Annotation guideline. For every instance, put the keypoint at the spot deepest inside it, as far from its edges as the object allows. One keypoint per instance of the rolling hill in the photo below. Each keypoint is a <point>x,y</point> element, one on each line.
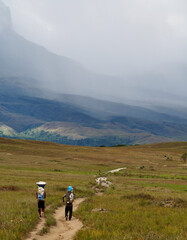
<point>78,120</point>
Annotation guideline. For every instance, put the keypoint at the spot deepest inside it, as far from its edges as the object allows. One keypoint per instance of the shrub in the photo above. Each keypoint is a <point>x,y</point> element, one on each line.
<point>184,157</point>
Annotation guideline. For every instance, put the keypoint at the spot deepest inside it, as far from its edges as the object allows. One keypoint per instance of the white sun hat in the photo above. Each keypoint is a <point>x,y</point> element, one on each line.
<point>41,184</point>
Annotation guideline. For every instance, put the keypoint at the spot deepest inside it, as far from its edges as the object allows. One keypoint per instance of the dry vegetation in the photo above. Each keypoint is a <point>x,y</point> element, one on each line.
<point>146,201</point>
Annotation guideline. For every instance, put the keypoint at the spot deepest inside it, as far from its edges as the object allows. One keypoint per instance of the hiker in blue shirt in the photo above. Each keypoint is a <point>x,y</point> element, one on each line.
<point>69,202</point>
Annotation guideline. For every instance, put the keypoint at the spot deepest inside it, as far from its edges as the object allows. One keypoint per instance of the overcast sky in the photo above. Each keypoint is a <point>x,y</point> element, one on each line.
<point>144,41</point>
<point>108,36</point>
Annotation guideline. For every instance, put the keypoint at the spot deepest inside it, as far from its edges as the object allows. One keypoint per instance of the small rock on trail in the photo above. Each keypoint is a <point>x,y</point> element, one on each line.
<point>103,181</point>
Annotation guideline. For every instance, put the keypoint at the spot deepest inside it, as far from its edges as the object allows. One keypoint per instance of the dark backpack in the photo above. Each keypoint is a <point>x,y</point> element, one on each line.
<point>69,198</point>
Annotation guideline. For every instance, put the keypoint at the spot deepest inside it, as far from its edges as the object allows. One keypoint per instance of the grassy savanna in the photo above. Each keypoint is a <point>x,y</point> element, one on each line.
<point>146,201</point>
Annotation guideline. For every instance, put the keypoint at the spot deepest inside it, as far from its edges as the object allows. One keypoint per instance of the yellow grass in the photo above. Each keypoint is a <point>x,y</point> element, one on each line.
<point>155,170</point>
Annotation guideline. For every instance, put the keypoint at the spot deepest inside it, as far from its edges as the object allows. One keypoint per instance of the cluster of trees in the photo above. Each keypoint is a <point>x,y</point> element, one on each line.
<point>53,137</point>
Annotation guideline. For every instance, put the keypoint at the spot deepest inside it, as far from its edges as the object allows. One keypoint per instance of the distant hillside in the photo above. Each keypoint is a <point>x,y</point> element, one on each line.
<point>32,105</point>
<point>77,120</point>
<point>105,109</point>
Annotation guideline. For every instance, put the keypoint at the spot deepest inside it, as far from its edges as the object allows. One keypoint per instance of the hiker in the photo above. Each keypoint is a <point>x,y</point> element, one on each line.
<point>69,202</point>
<point>41,195</point>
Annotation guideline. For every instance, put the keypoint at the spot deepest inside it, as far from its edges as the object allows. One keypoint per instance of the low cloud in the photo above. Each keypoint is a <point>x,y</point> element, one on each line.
<point>143,42</point>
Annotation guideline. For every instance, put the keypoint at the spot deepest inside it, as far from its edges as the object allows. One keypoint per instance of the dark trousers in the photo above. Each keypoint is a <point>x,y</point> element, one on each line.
<point>69,208</point>
<point>41,205</point>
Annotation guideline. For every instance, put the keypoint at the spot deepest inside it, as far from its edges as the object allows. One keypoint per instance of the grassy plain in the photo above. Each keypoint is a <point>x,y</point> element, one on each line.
<point>148,200</point>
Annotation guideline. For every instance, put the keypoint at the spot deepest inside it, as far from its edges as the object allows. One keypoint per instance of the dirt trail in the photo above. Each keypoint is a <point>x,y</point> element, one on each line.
<point>64,230</point>
<point>116,170</point>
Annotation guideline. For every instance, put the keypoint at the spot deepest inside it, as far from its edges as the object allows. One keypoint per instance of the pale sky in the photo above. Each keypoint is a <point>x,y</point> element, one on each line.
<point>105,35</point>
<point>136,39</point>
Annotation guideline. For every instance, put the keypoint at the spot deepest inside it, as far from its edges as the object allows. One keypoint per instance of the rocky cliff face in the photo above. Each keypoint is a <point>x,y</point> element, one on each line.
<point>20,58</point>
<point>5,18</point>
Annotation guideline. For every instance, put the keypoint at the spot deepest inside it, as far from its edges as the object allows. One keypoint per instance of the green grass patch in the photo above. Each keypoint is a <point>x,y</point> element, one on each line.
<point>130,218</point>
<point>140,204</point>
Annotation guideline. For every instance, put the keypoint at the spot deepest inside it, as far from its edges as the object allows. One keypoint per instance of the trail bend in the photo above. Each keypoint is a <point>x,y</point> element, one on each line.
<point>64,230</point>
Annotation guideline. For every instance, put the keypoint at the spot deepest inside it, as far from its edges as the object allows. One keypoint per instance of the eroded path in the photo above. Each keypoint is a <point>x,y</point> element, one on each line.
<point>64,230</point>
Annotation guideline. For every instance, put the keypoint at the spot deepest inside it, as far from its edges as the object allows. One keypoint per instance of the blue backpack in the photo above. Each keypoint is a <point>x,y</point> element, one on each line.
<point>40,196</point>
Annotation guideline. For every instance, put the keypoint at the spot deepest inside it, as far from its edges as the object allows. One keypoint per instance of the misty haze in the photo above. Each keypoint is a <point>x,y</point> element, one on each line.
<point>93,73</point>
<point>141,45</point>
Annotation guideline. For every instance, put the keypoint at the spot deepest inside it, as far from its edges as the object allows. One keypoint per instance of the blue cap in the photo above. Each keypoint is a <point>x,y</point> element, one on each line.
<point>69,188</point>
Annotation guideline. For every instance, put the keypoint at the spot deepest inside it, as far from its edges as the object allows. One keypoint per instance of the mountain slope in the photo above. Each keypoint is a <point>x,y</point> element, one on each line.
<point>20,58</point>
<point>106,109</point>
<point>28,109</point>
<point>44,119</point>
<point>76,120</point>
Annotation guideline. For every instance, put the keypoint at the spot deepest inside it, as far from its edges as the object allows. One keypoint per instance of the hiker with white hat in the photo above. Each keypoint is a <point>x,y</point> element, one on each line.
<point>41,195</point>
<point>69,202</point>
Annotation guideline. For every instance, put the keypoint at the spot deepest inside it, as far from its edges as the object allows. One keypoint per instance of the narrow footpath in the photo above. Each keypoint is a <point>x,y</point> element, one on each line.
<point>63,230</point>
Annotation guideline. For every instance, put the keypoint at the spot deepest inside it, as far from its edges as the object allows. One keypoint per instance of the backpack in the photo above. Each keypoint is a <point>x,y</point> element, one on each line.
<point>69,198</point>
<point>40,194</point>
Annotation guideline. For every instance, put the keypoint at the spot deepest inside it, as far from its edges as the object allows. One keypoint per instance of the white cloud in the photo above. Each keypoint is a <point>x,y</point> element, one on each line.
<point>178,23</point>
<point>123,37</point>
